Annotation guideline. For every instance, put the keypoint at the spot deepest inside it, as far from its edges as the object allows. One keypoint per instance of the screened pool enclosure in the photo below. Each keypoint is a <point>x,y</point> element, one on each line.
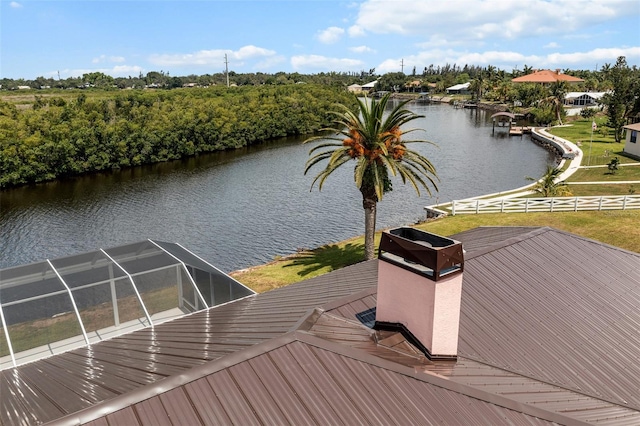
<point>57,305</point>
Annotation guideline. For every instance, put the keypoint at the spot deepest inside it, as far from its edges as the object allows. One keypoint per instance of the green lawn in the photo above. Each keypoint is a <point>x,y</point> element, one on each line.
<point>619,228</point>
<point>613,189</point>
<point>597,150</point>
<point>602,174</point>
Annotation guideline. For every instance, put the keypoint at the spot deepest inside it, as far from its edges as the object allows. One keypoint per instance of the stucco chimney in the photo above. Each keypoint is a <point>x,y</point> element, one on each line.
<point>420,289</point>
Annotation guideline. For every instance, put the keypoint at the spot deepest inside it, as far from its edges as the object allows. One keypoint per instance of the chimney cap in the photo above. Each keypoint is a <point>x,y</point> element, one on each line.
<point>422,252</point>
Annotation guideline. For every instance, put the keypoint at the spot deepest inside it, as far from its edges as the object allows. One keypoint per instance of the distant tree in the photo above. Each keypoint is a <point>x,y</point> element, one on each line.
<point>623,100</point>
<point>392,82</point>
<point>374,142</point>
<point>587,113</point>
<point>477,86</point>
<point>529,93</point>
<point>549,185</point>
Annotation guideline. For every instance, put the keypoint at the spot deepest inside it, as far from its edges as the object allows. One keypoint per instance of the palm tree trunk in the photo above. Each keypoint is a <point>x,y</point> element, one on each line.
<point>369,228</point>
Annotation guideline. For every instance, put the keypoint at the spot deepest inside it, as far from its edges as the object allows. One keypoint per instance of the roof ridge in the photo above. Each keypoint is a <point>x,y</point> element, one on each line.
<point>436,380</point>
<point>518,373</point>
<point>508,242</point>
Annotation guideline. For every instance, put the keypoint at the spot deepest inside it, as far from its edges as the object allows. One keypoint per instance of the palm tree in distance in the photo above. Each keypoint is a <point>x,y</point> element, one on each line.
<point>557,92</point>
<point>549,185</point>
<point>374,142</point>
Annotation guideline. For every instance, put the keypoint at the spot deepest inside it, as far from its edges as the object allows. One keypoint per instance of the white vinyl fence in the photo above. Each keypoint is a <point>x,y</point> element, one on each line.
<point>554,204</point>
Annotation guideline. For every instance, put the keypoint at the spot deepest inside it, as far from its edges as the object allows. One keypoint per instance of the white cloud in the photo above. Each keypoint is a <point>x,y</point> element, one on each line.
<point>115,71</point>
<point>269,63</point>
<point>551,45</point>
<point>486,19</point>
<point>330,35</point>
<point>210,57</point>
<point>15,5</point>
<point>105,58</point>
<point>563,60</point>
<point>507,60</point>
<point>315,62</point>
<point>362,49</point>
<point>124,70</point>
<point>356,31</point>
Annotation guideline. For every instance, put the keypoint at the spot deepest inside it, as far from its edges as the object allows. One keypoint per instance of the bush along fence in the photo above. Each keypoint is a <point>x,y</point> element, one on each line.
<point>552,204</point>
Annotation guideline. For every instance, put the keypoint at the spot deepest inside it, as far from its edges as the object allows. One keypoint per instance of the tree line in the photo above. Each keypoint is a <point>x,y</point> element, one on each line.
<point>62,136</point>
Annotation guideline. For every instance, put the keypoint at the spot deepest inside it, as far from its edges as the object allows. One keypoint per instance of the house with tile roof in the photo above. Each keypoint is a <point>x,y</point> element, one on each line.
<point>547,77</point>
<point>547,333</point>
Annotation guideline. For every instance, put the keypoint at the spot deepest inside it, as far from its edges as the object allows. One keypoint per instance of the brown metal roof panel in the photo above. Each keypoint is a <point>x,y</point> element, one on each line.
<point>275,383</point>
<point>257,395</point>
<point>86,389</point>
<point>97,375</point>
<point>60,394</point>
<point>344,378</point>
<point>335,396</point>
<point>512,293</point>
<point>179,407</point>
<point>205,402</point>
<point>126,417</point>
<point>22,403</point>
<point>99,422</point>
<point>612,415</point>
<point>384,393</point>
<point>234,401</point>
<point>303,387</point>
<point>151,412</point>
<point>447,407</point>
<point>151,361</point>
<point>121,372</point>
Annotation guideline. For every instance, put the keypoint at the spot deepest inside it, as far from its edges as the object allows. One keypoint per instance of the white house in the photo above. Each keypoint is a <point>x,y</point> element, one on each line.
<point>459,88</point>
<point>369,86</point>
<point>583,98</point>
<point>632,145</point>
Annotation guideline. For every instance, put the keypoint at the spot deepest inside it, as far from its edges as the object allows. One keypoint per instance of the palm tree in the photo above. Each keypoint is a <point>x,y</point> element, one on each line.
<point>477,86</point>
<point>374,142</point>
<point>549,186</point>
<point>557,92</point>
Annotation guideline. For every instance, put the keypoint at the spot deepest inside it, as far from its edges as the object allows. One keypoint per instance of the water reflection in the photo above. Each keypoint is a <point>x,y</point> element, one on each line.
<point>244,207</point>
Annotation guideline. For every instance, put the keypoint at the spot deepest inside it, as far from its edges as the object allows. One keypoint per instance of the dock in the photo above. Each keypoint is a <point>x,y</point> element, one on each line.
<point>519,130</point>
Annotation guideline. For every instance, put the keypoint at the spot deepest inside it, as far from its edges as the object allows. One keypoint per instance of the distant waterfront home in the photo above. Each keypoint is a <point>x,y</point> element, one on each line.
<point>583,98</point>
<point>632,145</point>
<point>413,86</point>
<point>547,77</point>
<point>460,89</point>
<point>369,86</point>
<point>354,88</point>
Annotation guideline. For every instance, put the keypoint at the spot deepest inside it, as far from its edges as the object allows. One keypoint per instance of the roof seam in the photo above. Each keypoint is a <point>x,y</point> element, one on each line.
<point>437,380</point>
<point>522,374</point>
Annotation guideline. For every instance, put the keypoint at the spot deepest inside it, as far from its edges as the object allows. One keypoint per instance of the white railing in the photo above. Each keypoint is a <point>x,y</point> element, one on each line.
<point>553,204</point>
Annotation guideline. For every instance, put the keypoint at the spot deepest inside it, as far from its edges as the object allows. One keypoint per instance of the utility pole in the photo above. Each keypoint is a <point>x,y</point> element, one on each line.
<point>226,68</point>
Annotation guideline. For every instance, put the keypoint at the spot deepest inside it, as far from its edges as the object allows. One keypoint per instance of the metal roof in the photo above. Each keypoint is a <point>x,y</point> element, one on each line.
<point>548,333</point>
<point>48,389</point>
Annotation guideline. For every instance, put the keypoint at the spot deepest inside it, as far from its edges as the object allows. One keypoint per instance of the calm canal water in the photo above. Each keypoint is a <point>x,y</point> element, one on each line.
<point>243,208</point>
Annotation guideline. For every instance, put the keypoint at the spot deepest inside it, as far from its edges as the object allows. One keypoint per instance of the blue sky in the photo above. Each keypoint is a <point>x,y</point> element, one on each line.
<point>125,38</point>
